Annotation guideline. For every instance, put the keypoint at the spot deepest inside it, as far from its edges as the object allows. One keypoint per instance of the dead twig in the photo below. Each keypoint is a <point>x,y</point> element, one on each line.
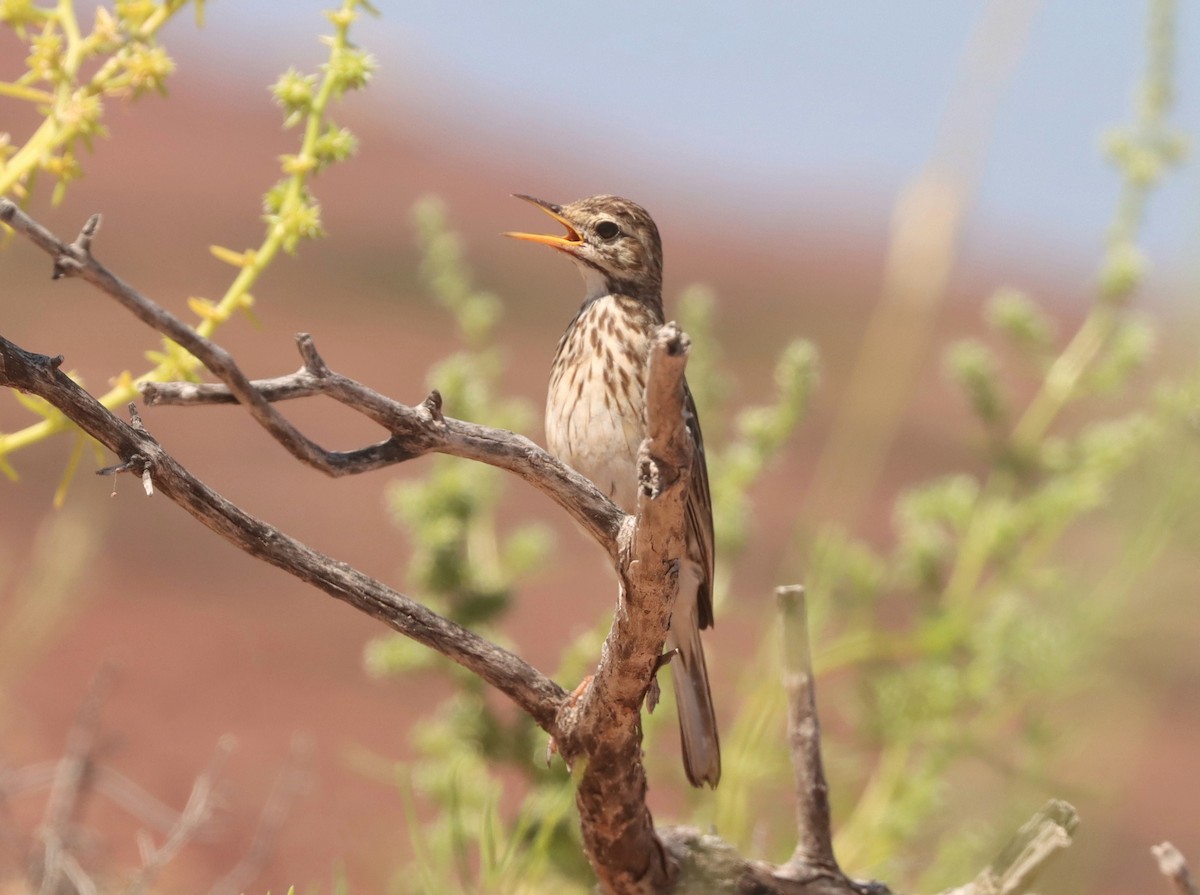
<point>415,431</point>
<point>530,689</point>
<point>814,841</point>
<point>72,779</point>
<point>1016,867</point>
<point>1174,867</point>
<point>191,820</point>
<point>291,783</point>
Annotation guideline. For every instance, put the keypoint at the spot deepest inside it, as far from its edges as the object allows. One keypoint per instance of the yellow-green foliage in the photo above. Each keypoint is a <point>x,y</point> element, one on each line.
<point>463,566</point>
<point>120,50</point>
<point>459,562</point>
<point>950,642</point>
<point>965,629</point>
<point>124,38</point>
<point>959,635</point>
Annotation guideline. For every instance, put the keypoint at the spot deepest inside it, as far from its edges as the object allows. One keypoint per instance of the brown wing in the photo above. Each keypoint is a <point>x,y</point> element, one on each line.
<point>699,513</point>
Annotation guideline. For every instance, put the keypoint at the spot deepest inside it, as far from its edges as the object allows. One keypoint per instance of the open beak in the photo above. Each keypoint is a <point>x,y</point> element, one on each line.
<point>568,243</point>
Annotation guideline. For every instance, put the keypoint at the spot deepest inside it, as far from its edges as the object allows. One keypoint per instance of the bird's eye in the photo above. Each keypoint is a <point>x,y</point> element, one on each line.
<point>607,230</point>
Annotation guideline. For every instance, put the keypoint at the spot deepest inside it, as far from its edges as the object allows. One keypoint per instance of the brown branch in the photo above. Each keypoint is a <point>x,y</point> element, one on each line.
<point>292,782</point>
<point>72,780</point>
<point>814,841</point>
<point>1016,867</point>
<point>711,866</point>
<point>1173,865</point>
<point>76,260</point>
<point>301,384</point>
<point>618,831</point>
<point>536,694</point>
<point>602,730</point>
<point>192,819</point>
<point>605,730</point>
<point>415,431</point>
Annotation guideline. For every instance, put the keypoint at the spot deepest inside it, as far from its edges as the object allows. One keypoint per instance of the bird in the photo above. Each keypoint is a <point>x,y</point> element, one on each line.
<point>595,423</point>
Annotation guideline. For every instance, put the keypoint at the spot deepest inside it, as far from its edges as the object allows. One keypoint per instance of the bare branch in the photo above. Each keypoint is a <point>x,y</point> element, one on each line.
<point>618,830</point>
<point>710,866</point>
<point>814,841</point>
<point>602,729</point>
<point>130,795</point>
<point>195,815</point>
<point>415,431</point>
<point>606,727</point>
<point>290,784</point>
<point>536,694</point>
<point>71,781</point>
<point>300,384</point>
<point>421,430</point>
<point>76,260</point>
<point>1017,866</point>
<point>1173,865</point>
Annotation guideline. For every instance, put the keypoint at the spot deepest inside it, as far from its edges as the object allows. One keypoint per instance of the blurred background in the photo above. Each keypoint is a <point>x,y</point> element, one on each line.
<point>864,178</point>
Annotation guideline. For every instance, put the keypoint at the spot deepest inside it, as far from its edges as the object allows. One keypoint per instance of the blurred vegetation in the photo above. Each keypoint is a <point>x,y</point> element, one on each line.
<point>949,649</point>
<point>38,590</point>
<point>123,44</point>
<point>956,643</point>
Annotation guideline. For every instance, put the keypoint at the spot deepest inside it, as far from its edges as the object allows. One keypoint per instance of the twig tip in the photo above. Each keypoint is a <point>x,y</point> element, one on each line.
<point>788,595</point>
<point>1173,865</point>
<point>673,339</point>
<point>313,362</point>
<point>433,404</point>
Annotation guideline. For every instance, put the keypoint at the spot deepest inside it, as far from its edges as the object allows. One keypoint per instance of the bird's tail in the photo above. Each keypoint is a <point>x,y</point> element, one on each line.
<point>697,721</point>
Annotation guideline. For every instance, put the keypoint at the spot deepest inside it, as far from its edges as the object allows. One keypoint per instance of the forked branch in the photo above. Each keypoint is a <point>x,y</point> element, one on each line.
<point>140,453</point>
<point>602,729</point>
<point>415,431</point>
<point>814,840</point>
<point>1174,867</point>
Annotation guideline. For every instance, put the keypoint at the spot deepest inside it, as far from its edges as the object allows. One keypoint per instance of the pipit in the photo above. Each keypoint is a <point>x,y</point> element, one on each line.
<point>595,422</point>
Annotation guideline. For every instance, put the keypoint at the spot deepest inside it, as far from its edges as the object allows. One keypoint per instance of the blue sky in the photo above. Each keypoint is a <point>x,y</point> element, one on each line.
<point>766,102</point>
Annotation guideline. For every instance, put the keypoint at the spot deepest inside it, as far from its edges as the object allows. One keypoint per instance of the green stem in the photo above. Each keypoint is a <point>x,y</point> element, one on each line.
<point>51,134</point>
<point>1062,379</point>
<point>70,27</point>
<point>20,91</point>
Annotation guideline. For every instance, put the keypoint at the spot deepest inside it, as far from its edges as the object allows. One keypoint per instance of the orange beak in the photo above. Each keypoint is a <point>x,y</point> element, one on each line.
<point>571,241</point>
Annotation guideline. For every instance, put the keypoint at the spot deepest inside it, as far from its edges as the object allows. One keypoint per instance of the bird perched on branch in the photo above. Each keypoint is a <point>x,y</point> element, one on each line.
<point>595,422</point>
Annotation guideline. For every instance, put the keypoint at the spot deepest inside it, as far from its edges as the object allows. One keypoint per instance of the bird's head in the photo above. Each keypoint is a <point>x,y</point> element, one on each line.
<point>613,241</point>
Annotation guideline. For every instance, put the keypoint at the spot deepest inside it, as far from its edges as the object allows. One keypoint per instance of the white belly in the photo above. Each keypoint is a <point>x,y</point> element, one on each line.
<point>594,427</point>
